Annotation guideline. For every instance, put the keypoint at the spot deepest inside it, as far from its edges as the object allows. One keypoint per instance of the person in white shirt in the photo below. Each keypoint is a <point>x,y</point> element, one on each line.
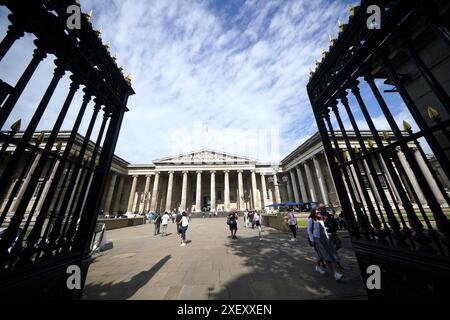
<point>184,226</point>
<point>164,221</point>
<point>258,219</point>
<point>319,238</point>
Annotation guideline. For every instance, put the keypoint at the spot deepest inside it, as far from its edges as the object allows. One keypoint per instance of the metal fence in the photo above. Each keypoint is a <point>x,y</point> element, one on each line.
<point>408,238</point>
<point>39,243</point>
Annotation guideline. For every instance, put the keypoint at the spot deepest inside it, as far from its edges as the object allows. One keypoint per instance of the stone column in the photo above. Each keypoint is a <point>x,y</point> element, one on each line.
<point>47,186</point>
<point>116,206</point>
<point>108,201</point>
<point>301,182</point>
<point>226,178</point>
<point>184,191</point>
<point>241,190</point>
<point>277,189</point>
<point>198,193</point>
<point>169,192</point>
<point>25,182</point>
<point>132,194</point>
<point>147,192</point>
<point>431,181</point>
<point>264,191</point>
<point>289,189</point>
<point>312,191</point>
<point>213,190</point>
<point>412,178</point>
<point>294,186</point>
<point>254,190</point>
<point>154,201</point>
<point>322,183</point>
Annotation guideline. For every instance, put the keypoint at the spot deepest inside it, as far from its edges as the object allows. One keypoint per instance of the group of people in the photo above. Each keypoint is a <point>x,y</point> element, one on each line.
<point>161,223</point>
<point>251,219</point>
<point>322,230</point>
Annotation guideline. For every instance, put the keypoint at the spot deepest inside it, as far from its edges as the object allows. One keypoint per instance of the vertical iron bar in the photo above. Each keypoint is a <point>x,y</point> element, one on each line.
<point>7,239</point>
<point>349,217</point>
<point>374,217</point>
<point>7,176</point>
<point>38,55</point>
<point>15,32</point>
<point>397,132</point>
<point>55,233</point>
<point>86,184</point>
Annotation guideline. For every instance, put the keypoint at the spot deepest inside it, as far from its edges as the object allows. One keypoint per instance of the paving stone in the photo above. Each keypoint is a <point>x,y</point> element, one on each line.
<point>213,266</point>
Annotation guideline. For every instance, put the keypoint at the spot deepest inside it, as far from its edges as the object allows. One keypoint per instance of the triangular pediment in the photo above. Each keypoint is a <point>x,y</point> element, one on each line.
<point>204,156</point>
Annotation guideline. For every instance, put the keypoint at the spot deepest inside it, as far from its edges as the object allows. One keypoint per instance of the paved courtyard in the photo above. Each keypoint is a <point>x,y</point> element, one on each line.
<point>214,266</point>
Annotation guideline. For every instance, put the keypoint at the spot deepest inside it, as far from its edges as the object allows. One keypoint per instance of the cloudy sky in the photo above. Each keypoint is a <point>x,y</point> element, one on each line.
<point>226,75</point>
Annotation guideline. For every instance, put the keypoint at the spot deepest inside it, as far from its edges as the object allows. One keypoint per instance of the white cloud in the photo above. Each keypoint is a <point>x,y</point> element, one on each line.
<point>241,77</point>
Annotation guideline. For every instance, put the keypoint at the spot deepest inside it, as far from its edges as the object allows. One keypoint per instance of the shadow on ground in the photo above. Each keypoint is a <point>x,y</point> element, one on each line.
<point>279,269</point>
<point>125,289</point>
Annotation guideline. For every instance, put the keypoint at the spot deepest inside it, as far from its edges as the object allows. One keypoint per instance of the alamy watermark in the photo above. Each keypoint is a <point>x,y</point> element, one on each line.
<point>373,281</point>
<point>74,279</point>
<point>374,20</point>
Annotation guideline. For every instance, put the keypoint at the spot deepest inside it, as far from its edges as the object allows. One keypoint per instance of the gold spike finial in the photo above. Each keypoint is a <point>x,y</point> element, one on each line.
<point>59,146</point>
<point>128,78</point>
<point>114,58</point>
<point>332,41</point>
<point>121,69</point>
<point>16,125</point>
<point>311,73</point>
<point>356,150</point>
<point>107,45</point>
<point>324,53</point>
<point>336,159</point>
<point>433,114</point>
<point>351,10</point>
<point>341,26</point>
<point>371,143</point>
<point>99,32</point>
<point>41,136</point>
<point>386,136</point>
<point>89,16</point>
<point>406,125</point>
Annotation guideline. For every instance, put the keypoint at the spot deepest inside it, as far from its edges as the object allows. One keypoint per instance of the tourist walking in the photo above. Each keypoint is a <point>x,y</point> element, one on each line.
<point>178,222</point>
<point>319,238</point>
<point>245,218</point>
<point>150,216</point>
<point>164,222</point>
<point>232,223</point>
<point>291,220</point>
<point>157,223</point>
<point>257,218</point>
<point>184,227</point>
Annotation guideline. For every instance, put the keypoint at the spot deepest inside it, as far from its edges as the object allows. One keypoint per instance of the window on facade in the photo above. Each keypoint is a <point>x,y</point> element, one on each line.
<point>219,195</point>
<point>194,196</point>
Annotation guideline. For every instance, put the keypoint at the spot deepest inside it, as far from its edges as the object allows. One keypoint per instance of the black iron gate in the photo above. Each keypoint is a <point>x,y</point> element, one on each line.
<point>407,238</point>
<point>39,244</point>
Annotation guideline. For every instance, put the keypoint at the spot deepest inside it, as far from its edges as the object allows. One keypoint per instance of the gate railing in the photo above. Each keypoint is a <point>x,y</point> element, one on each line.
<point>64,213</point>
<point>398,235</point>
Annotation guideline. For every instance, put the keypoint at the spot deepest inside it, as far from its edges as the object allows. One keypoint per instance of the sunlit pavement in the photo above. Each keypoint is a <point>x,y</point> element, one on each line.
<point>214,266</point>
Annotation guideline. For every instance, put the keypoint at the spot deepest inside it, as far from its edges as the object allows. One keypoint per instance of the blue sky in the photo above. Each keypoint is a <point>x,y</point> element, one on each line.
<point>227,75</point>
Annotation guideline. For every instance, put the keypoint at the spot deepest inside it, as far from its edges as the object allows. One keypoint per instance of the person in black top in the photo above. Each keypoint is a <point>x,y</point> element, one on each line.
<point>157,223</point>
<point>332,225</point>
<point>232,223</point>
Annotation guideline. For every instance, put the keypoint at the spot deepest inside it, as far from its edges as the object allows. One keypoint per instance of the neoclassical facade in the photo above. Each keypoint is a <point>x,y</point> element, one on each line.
<point>193,181</point>
<point>211,179</point>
